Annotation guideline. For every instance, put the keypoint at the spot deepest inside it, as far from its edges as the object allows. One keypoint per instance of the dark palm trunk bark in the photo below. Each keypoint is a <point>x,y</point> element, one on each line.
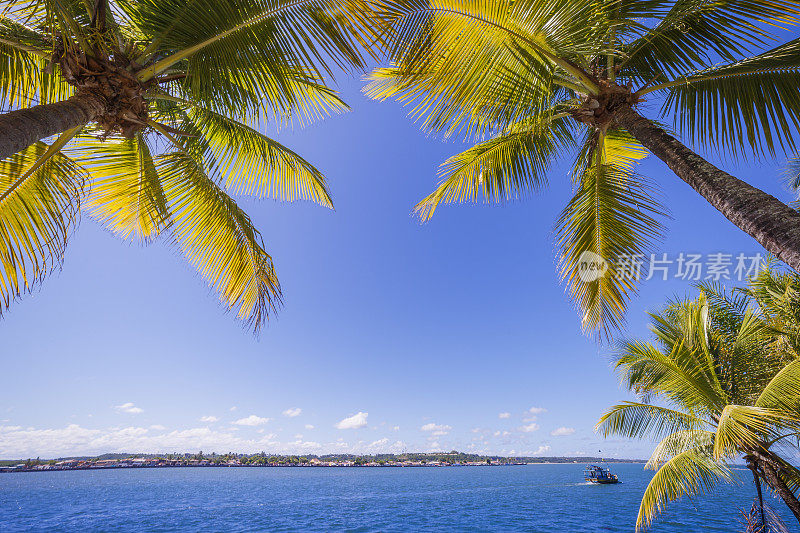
<point>777,484</point>
<point>20,129</point>
<point>757,480</point>
<point>769,221</point>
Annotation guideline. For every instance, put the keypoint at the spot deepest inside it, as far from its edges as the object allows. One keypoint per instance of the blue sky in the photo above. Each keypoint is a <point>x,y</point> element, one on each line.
<point>395,335</point>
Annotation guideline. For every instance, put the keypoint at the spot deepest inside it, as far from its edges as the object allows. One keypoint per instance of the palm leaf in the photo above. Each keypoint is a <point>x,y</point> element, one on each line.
<point>219,240</point>
<point>507,167</point>
<point>610,217</point>
<point>38,210</point>
<point>687,474</point>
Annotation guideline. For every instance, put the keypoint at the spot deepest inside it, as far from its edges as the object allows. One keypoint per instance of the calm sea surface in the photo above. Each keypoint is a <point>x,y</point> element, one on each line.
<point>542,498</point>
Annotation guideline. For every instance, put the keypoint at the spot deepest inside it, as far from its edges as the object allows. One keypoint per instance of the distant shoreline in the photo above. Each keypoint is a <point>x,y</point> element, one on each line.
<point>435,461</point>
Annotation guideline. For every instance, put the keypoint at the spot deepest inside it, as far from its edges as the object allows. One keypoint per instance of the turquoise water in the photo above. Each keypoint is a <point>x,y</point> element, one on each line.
<point>539,498</point>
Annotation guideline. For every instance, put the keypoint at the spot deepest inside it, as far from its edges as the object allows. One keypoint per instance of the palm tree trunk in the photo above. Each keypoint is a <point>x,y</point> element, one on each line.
<point>757,480</point>
<point>779,486</point>
<point>20,129</point>
<point>769,221</point>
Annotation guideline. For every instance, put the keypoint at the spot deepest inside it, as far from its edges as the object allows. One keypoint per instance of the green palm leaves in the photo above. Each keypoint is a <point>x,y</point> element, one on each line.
<point>719,382</point>
<point>189,86</point>
<point>525,78</point>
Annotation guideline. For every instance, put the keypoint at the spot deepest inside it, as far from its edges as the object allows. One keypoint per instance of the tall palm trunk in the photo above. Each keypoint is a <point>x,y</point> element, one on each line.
<point>20,129</point>
<point>767,463</point>
<point>769,221</point>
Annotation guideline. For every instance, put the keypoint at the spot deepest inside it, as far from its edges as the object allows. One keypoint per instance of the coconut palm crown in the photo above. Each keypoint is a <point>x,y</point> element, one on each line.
<point>532,80</point>
<point>720,382</point>
<point>156,108</point>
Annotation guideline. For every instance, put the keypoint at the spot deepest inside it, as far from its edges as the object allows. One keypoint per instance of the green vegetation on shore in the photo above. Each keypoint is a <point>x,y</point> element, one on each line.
<point>262,458</point>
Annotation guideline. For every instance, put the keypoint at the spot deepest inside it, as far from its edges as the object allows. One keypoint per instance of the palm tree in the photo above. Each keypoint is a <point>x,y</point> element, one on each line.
<point>157,108</point>
<point>722,381</point>
<point>532,80</point>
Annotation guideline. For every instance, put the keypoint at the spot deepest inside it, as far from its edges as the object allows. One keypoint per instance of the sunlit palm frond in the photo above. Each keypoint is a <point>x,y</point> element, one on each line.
<point>250,162</point>
<point>507,167</point>
<point>126,190</point>
<point>613,216</point>
<point>744,427</point>
<point>783,390</point>
<point>38,210</point>
<point>219,240</point>
<point>761,103</point>
<point>689,473</point>
<point>223,46</point>
<point>678,442</point>
<point>693,34</point>
<point>644,420</point>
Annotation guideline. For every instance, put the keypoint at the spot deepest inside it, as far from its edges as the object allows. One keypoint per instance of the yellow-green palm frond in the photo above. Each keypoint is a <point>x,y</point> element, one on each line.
<point>469,65</point>
<point>687,474</point>
<point>26,75</point>
<point>692,34</point>
<point>761,103</point>
<point>39,207</point>
<point>678,442</point>
<point>644,420</point>
<point>126,192</point>
<point>783,390</point>
<point>507,167</point>
<point>742,427</point>
<point>679,374</point>
<point>226,46</point>
<point>613,218</point>
<point>250,162</point>
<point>219,240</point>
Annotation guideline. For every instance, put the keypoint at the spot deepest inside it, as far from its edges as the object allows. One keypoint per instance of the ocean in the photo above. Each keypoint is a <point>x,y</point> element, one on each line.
<point>536,498</point>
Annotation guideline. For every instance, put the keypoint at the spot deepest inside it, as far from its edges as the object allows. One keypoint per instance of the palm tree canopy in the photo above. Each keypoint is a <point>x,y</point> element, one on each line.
<point>186,87</point>
<point>532,80</point>
<point>720,380</point>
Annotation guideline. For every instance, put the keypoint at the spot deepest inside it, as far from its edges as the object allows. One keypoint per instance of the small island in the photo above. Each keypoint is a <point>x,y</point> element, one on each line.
<point>262,459</point>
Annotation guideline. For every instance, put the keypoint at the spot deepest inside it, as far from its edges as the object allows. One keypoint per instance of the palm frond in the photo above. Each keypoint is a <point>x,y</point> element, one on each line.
<point>687,474</point>
<point>126,190</point>
<point>644,420</point>
<point>219,240</point>
<point>612,218</point>
<point>504,168</point>
<point>38,211</point>
<point>759,100</point>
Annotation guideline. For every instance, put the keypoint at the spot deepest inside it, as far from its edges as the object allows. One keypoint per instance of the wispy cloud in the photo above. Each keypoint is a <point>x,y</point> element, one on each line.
<point>504,415</point>
<point>157,427</point>
<point>209,418</point>
<point>562,431</point>
<point>293,412</point>
<point>358,420</point>
<point>129,408</point>
<point>436,429</point>
<point>252,420</point>
<point>529,428</point>
<point>309,426</point>
<point>541,450</point>
<point>537,410</point>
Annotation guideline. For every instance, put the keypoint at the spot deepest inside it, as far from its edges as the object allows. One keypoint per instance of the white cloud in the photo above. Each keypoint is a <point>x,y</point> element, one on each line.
<point>157,427</point>
<point>293,412</point>
<point>529,428</point>
<point>562,431</point>
<point>396,428</point>
<point>502,433</point>
<point>537,410</point>
<point>436,429</point>
<point>358,420</point>
<point>233,408</point>
<point>309,426</point>
<point>251,420</point>
<point>541,450</point>
<point>129,408</point>
<point>209,418</point>
<point>504,415</point>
